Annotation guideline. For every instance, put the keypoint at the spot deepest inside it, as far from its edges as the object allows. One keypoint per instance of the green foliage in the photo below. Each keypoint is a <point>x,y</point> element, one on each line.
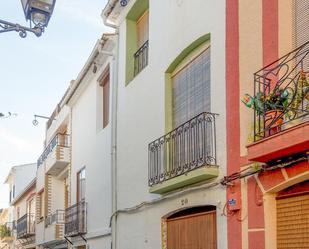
<point>4,231</point>
<point>276,100</point>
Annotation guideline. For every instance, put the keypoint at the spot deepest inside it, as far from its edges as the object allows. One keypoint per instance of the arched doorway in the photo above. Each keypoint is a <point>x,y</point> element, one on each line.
<point>193,228</point>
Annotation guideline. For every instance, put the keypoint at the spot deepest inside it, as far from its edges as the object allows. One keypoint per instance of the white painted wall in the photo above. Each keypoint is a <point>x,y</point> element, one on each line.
<point>61,120</point>
<point>91,148</point>
<point>174,25</point>
<point>21,176</point>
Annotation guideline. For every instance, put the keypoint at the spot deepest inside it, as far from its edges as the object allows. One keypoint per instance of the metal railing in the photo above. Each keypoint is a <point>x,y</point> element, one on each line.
<point>189,146</point>
<point>76,219</point>
<point>141,58</point>
<point>58,140</point>
<point>26,226</point>
<point>281,93</point>
<point>58,217</point>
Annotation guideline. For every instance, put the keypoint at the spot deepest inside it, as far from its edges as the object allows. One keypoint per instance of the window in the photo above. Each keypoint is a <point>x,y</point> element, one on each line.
<point>40,205</point>
<point>301,28</point>
<point>187,83</point>
<point>18,213</point>
<point>81,184</point>
<point>143,29</point>
<point>301,19</point>
<point>105,83</point>
<point>137,34</point>
<point>191,89</point>
<point>141,55</point>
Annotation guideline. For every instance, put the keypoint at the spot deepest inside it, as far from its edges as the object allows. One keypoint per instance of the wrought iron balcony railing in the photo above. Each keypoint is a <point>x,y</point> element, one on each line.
<point>76,219</point>
<point>26,226</point>
<point>281,93</point>
<point>141,58</point>
<point>188,147</point>
<point>58,140</point>
<point>57,217</point>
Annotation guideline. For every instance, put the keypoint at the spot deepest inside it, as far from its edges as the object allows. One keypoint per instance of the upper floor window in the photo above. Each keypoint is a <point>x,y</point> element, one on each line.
<point>40,205</point>
<point>191,89</point>
<point>143,29</point>
<point>187,84</point>
<point>141,55</point>
<point>137,35</point>
<point>301,19</point>
<point>105,84</point>
<point>81,184</point>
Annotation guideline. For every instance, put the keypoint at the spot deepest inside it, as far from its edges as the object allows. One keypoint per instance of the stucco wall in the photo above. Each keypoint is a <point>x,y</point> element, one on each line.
<point>141,114</point>
<point>91,149</point>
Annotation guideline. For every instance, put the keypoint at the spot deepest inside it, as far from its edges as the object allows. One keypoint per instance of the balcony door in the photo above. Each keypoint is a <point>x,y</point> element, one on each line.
<point>192,230</point>
<point>191,88</point>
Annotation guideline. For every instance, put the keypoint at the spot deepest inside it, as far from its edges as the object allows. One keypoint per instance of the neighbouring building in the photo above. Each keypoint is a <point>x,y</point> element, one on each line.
<point>24,210</point>
<point>18,179</point>
<point>87,219</point>
<point>267,58</point>
<point>74,171</point>
<point>53,180</point>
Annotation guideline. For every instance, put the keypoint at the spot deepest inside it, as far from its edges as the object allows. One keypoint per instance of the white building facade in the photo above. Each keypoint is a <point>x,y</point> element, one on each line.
<point>171,126</point>
<point>88,216</point>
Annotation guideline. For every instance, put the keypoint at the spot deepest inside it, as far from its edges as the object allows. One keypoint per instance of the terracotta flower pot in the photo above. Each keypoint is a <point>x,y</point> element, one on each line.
<point>272,127</point>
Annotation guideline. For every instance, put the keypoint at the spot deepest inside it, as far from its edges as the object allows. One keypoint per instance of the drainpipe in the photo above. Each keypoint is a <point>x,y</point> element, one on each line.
<point>114,134</point>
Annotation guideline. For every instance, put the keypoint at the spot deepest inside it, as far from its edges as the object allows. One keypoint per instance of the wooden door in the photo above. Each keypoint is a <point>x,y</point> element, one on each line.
<point>293,222</point>
<point>194,231</point>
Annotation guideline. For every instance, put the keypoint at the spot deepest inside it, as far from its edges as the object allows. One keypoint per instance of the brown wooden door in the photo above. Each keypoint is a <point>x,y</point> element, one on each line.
<point>293,222</point>
<point>195,231</point>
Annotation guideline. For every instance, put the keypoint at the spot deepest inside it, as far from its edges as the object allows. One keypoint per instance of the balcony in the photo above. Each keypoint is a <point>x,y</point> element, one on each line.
<point>141,58</point>
<point>54,226</point>
<point>184,156</point>
<point>76,220</point>
<point>56,154</point>
<point>26,226</point>
<point>281,104</point>
<point>7,232</point>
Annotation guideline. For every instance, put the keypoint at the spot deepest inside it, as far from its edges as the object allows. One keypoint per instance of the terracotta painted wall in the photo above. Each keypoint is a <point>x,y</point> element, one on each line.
<point>232,107</point>
<point>257,33</point>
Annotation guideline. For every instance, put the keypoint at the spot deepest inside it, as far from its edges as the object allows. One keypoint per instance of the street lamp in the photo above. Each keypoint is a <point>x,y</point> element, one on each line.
<point>38,12</point>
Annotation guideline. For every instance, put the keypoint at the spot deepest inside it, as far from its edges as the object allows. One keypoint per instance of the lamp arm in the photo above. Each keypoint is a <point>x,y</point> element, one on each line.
<point>22,30</point>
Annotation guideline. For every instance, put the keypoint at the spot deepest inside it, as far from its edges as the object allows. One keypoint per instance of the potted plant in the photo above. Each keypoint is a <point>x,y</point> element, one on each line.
<point>269,106</point>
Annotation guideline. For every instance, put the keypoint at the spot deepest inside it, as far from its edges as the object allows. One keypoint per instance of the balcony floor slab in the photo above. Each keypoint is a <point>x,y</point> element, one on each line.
<point>195,176</point>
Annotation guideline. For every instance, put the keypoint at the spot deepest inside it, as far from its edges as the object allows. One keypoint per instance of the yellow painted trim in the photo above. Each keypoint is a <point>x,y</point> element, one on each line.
<point>244,213</point>
<point>256,230</point>
<point>270,217</point>
<point>285,174</point>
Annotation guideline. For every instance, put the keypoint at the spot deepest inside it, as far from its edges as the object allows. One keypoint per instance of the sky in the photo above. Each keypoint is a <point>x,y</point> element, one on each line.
<point>35,72</point>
